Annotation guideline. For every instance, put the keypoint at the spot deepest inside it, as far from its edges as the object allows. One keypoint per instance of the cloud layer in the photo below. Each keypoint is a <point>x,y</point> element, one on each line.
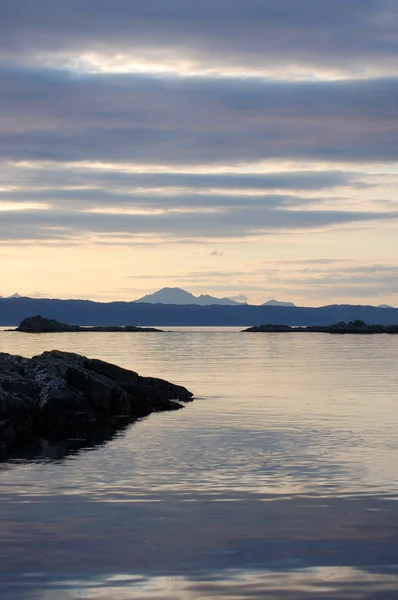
<point>147,119</point>
<point>229,130</point>
<point>216,34</point>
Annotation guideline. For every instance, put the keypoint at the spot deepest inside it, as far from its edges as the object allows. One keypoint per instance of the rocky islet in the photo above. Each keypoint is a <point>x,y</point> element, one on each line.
<point>352,327</point>
<point>39,324</point>
<point>56,393</point>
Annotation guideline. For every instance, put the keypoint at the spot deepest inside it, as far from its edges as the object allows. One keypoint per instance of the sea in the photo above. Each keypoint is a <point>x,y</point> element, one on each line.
<point>278,482</point>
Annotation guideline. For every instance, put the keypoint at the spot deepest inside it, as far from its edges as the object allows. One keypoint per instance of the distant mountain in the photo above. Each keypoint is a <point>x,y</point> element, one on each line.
<point>276,303</point>
<point>385,306</point>
<point>13,296</point>
<point>86,312</point>
<point>181,297</point>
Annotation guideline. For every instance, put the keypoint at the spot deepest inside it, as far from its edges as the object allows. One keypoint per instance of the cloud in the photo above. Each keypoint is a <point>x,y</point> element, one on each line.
<point>103,198</point>
<point>54,116</point>
<point>313,262</point>
<point>334,279</point>
<point>356,276</point>
<point>59,176</point>
<point>343,36</point>
<point>193,275</point>
<point>230,223</point>
<point>239,298</point>
<point>215,122</point>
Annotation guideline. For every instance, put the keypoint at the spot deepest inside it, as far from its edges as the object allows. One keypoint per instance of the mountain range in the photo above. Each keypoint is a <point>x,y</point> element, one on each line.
<point>87,312</point>
<point>179,297</point>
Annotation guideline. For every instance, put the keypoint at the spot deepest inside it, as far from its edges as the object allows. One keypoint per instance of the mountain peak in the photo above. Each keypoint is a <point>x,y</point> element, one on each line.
<point>177,295</point>
<point>277,303</point>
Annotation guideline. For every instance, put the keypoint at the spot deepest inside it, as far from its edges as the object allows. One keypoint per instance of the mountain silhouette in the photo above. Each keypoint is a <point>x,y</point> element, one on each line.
<point>277,303</point>
<point>179,296</point>
<point>87,312</point>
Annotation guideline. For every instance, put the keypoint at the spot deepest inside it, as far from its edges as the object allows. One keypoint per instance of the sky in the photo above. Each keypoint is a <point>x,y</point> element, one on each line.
<point>241,148</point>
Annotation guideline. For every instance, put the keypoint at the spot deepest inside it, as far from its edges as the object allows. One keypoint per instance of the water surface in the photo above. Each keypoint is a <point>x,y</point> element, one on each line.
<point>279,481</point>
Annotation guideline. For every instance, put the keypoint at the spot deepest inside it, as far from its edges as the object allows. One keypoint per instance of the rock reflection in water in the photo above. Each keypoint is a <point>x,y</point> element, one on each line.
<point>45,449</point>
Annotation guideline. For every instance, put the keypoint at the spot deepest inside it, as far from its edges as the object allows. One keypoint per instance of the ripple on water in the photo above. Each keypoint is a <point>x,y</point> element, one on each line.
<point>281,477</point>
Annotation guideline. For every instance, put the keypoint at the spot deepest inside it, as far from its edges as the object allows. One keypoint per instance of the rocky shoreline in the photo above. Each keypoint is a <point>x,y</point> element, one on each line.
<point>357,327</point>
<point>57,393</point>
<point>39,324</point>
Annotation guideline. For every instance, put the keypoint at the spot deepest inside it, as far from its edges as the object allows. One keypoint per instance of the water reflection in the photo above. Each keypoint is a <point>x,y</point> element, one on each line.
<point>195,537</point>
<point>56,449</point>
<point>310,584</point>
<point>280,483</point>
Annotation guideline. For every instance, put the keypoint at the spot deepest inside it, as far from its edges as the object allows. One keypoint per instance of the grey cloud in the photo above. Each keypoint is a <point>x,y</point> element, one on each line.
<point>119,180</point>
<point>290,290</point>
<point>383,288</point>
<point>305,261</point>
<point>341,269</point>
<point>240,223</point>
<point>192,275</point>
<point>239,298</point>
<point>243,32</point>
<point>126,118</point>
<point>103,198</point>
<point>355,276</point>
<point>337,280</point>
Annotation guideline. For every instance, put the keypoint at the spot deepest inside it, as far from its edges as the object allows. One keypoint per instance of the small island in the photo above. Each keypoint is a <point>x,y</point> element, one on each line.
<point>39,324</point>
<point>340,328</point>
<point>57,394</point>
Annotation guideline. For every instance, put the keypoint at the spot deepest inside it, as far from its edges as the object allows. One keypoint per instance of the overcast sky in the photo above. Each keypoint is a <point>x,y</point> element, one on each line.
<point>234,147</point>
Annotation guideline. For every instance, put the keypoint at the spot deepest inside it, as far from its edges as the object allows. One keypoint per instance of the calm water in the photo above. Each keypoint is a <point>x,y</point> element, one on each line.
<point>279,482</point>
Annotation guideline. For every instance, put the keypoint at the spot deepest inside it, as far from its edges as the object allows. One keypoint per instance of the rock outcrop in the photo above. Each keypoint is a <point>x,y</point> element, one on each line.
<point>38,324</point>
<point>58,392</point>
<point>350,327</point>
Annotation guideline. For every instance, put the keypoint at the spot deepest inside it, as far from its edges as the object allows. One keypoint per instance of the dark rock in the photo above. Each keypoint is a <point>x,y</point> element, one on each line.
<point>39,324</point>
<point>351,327</point>
<point>53,393</point>
<point>269,328</point>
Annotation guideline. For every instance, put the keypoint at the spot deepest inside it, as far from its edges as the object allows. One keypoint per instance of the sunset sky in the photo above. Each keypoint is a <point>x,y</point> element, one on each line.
<point>241,148</point>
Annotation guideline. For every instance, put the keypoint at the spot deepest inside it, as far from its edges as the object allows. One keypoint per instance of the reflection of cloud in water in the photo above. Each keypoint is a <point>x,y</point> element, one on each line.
<point>308,584</point>
<point>231,458</point>
<point>195,536</point>
<point>284,471</point>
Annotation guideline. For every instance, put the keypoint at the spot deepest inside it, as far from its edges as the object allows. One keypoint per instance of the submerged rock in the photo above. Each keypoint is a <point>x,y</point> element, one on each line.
<point>39,324</point>
<point>55,392</point>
